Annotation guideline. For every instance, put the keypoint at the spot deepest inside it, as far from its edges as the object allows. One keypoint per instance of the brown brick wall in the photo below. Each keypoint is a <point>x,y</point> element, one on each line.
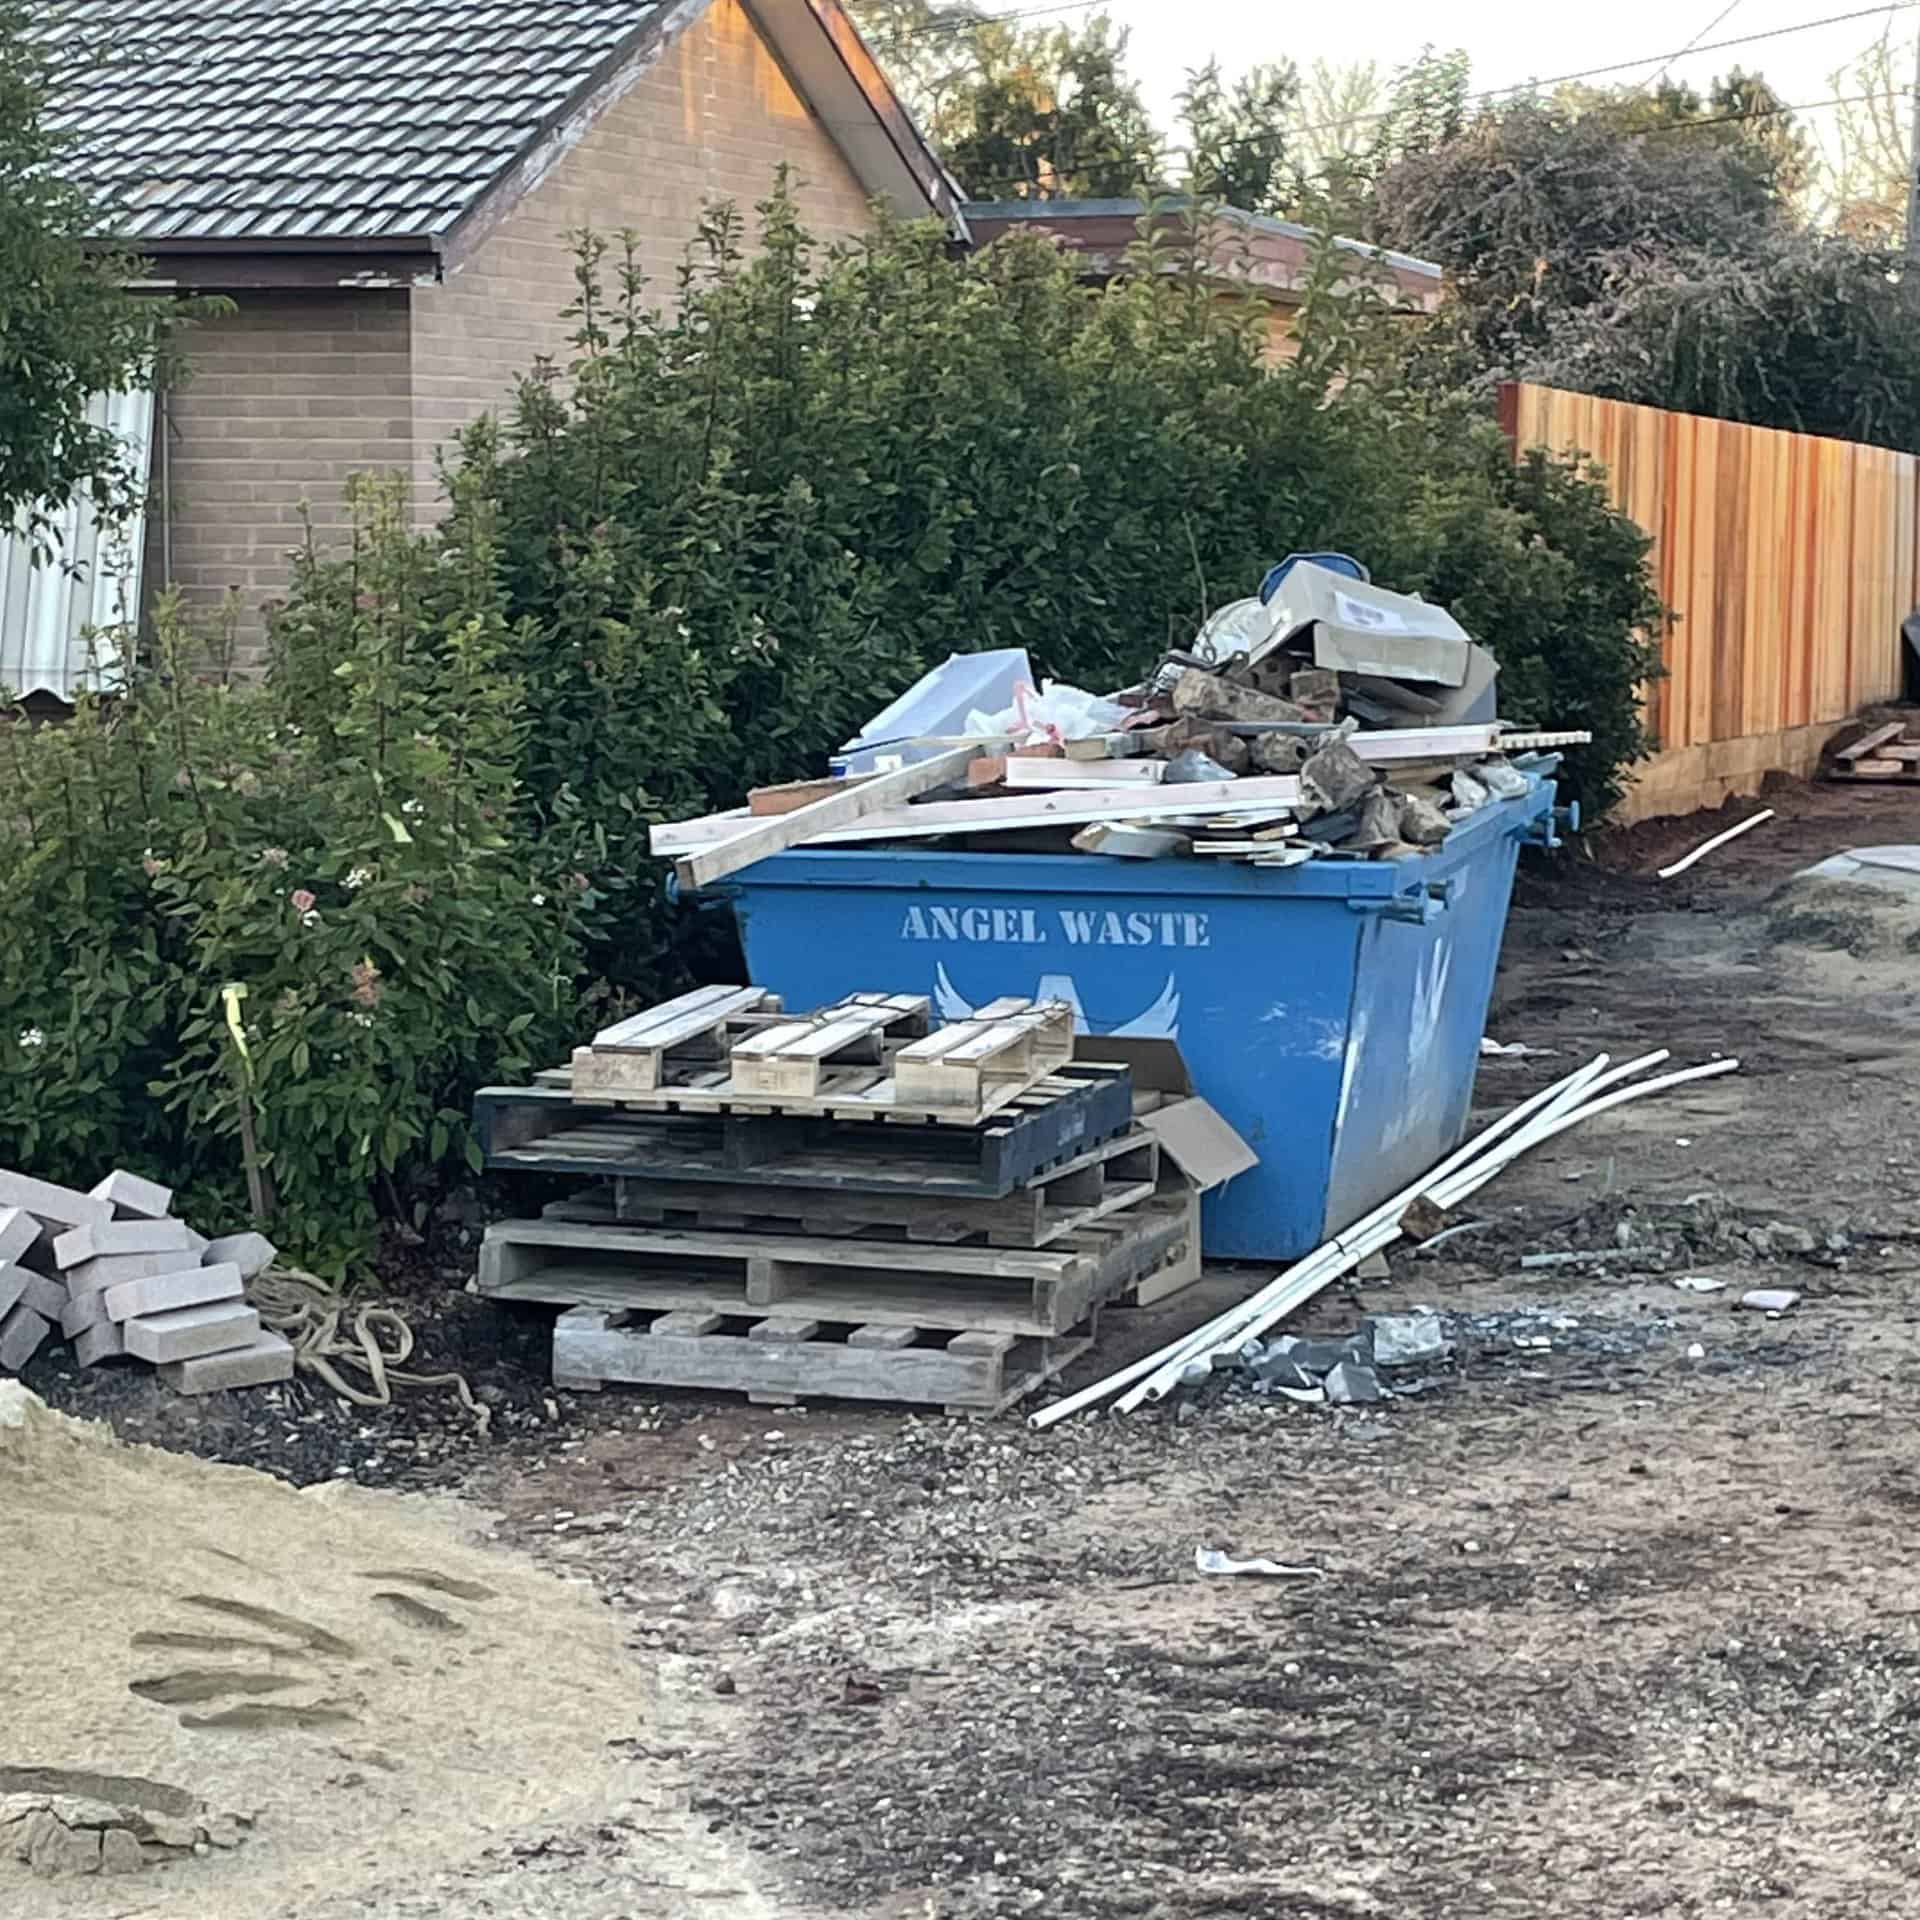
<point>712,120</point>
<point>289,395</point>
<point>296,391</point>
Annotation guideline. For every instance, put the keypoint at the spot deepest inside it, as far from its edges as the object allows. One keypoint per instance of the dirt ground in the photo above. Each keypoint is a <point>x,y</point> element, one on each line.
<point>1617,1618</point>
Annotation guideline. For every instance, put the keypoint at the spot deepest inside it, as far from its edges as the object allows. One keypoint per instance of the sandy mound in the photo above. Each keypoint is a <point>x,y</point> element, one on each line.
<point>372,1697</point>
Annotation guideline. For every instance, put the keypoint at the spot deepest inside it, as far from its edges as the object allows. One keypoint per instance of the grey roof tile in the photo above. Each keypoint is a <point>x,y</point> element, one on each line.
<point>322,119</point>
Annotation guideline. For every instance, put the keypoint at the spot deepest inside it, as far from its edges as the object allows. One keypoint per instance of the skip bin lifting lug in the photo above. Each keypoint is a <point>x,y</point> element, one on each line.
<point>1420,908</point>
<point>1543,832</point>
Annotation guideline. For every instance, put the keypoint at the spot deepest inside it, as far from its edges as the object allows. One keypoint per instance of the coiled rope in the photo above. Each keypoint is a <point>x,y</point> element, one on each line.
<point>327,1332</point>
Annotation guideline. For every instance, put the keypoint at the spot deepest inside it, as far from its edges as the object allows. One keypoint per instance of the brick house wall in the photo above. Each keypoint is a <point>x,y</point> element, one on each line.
<point>710,122</point>
<point>289,395</point>
<point>296,391</point>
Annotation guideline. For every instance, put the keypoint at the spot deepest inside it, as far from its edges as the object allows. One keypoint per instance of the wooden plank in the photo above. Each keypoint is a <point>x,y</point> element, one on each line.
<point>874,1256</point>
<point>543,1129</point>
<point>767,802</point>
<point>1029,1310</point>
<point>738,849</point>
<point>1386,746</point>
<point>958,1065</point>
<point>1023,772</point>
<point>962,1378</point>
<point>787,1062</point>
<point>668,1016</point>
<point>1107,1179</point>
<point>635,1054</point>
<point>936,817</point>
<point>1868,744</point>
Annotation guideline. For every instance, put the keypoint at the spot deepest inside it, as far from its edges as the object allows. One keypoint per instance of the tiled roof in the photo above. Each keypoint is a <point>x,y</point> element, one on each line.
<point>318,120</point>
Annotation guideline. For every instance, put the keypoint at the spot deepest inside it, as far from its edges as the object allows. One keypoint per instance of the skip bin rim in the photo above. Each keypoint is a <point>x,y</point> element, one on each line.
<point>1356,880</point>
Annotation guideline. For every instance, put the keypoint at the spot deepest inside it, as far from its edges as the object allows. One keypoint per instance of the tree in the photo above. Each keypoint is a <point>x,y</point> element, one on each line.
<point>1866,184</point>
<point>69,329</point>
<point>1811,332</point>
<point>1046,114</point>
<point>1239,138</point>
<point>1535,204</point>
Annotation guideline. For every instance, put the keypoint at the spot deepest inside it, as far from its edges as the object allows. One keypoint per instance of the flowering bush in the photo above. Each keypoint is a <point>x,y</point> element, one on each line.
<point>340,867</point>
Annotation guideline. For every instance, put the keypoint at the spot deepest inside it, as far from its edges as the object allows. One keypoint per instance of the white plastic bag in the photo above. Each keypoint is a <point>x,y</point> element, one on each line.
<point>1056,713</point>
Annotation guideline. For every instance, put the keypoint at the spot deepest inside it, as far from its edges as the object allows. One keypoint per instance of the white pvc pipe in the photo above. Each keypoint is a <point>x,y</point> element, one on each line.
<point>1182,1348</point>
<point>1369,1234</point>
<point>1718,840</point>
<point>1445,1193</point>
<point>1565,1104</point>
<point>1393,1208</point>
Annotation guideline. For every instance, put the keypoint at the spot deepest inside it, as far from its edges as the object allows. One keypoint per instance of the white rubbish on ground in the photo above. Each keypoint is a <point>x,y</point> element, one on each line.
<point>1212,1560</point>
<point>1773,1301</point>
<point>1718,840</point>
<point>1567,1103</point>
<point>1699,1283</point>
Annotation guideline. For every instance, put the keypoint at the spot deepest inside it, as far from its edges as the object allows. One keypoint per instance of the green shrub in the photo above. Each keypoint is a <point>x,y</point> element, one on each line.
<point>732,531</point>
<point>339,845</point>
<point>695,560</point>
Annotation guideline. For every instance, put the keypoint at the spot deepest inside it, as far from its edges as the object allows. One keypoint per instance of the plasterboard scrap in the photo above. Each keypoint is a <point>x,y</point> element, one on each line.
<point>1200,1143</point>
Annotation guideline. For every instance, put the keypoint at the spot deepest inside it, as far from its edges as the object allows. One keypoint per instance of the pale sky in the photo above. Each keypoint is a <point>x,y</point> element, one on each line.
<point>1507,43</point>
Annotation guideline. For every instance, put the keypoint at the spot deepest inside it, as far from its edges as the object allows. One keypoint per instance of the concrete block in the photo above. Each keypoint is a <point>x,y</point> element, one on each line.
<point>95,1344</point>
<point>48,1298</point>
<point>55,1208</point>
<point>13,1287</point>
<point>106,1239</point>
<point>252,1253</point>
<point>85,1310</point>
<point>268,1359</point>
<point>22,1332</point>
<point>19,1234</point>
<point>191,1331</point>
<point>92,1276</point>
<point>168,1292</point>
<point>133,1198</point>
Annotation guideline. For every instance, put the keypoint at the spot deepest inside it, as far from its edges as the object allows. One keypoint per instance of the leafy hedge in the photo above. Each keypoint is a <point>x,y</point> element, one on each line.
<point>697,559</point>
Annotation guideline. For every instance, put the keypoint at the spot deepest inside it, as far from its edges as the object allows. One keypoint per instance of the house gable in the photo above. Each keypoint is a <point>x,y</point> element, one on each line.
<point>710,118</point>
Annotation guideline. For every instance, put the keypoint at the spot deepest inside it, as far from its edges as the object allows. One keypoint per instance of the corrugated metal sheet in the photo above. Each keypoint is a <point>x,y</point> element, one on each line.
<point>65,613</point>
<point>333,119</point>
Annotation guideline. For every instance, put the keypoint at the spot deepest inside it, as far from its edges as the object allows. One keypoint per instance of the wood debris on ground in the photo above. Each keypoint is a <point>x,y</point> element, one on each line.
<point>1889,753</point>
<point>1359,721</point>
<point>842,1204</point>
<point>115,1275</point>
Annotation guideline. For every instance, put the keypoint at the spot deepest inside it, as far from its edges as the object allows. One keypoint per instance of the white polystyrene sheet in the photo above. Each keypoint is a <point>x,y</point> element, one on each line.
<point>66,610</point>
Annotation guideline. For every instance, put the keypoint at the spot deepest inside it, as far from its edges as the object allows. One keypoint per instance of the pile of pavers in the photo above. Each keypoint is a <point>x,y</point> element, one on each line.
<point>113,1272</point>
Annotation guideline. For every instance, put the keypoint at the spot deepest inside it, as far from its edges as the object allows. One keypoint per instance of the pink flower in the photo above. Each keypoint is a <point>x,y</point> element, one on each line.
<point>301,901</point>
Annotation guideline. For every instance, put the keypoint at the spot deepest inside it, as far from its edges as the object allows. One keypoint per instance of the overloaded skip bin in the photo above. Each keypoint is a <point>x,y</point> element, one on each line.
<point>1332,1012</point>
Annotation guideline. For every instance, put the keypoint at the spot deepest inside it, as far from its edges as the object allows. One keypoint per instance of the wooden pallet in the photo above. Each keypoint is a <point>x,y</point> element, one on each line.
<point>1886,756</point>
<point>1040,1292</point>
<point>543,1129</point>
<point>788,1063</point>
<point>1014,1043</point>
<point>779,1360</point>
<point>1109,1178</point>
<point>842,1063</point>
<point>697,1028</point>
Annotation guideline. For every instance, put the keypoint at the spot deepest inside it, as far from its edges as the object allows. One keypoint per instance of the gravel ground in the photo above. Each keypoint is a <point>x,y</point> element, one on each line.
<point>1608,1625</point>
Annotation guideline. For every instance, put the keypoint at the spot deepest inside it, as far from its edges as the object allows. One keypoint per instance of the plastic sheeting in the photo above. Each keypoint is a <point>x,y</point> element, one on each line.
<point>66,612</point>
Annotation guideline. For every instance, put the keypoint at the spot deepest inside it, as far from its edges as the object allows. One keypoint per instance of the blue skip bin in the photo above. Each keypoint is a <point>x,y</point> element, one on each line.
<point>1332,1012</point>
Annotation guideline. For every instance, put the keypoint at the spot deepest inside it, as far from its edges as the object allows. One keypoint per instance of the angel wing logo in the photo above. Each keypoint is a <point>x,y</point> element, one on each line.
<point>1158,1020</point>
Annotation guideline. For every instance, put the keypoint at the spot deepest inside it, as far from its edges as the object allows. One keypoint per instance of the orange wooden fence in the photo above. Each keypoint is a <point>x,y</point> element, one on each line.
<point>1790,560</point>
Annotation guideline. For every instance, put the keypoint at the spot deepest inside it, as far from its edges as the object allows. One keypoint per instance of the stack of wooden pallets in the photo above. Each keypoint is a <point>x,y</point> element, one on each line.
<point>1888,753</point>
<point>842,1204</point>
